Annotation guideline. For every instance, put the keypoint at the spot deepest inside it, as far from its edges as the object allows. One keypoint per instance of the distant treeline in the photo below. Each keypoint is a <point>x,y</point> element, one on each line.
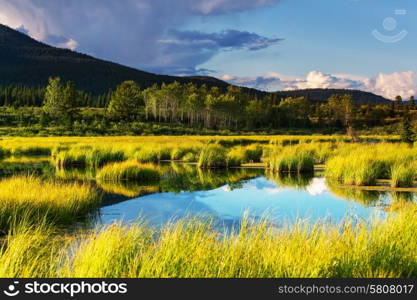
<point>192,106</point>
<point>19,96</point>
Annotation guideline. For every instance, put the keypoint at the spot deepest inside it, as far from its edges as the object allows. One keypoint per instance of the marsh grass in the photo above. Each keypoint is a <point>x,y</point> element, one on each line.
<point>87,157</point>
<point>4,152</point>
<point>129,170</point>
<point>293,180</point>
<point>31,151</point>
<point>246,154</point>
<point>403,174</point>
<point>185,153</point>
<point>153,153</point>
<point>291,159</point>
<point>365,164</point>
<point>191,248</point>
<point>216,156</point>
<point>31,199</point>
<point>367,198</point>
<point>126,188</point>
<point>190,157</point>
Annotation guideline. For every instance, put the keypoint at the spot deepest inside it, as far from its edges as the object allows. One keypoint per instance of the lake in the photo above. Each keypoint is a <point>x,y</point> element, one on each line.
<point>226,196</point>
<point>223,195</point>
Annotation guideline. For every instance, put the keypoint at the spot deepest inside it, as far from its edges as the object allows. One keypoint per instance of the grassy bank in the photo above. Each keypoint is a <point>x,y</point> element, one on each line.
<point>129,170</point>
<point>32,200</point>
<point>190,249</point>
<point>365,164</point>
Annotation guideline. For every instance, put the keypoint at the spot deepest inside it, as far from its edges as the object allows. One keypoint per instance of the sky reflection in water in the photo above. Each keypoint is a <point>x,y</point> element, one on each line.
<point>258,196</point>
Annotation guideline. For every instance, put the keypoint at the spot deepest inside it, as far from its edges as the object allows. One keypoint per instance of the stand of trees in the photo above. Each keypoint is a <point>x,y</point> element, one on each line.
<point>194,106</point>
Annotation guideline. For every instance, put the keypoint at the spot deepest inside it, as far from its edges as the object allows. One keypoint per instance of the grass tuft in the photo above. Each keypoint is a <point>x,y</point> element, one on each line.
<point>129,170</point>
<point>30,199</point>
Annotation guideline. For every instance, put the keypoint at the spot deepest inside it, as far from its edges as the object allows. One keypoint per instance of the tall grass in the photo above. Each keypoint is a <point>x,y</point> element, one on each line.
<point>29,150</point>
<point>246,154</point>
<point>29,251</point>
<point>4,152</point>
<point>291,159</point>
<point>215,156</point>
<point>30,199</point>
<point>356,169</point>
<point>184,153</point>
<point>88,157</point>
<point>129,170</point>
<point>126,188</point>
<point>365,164</point>
<point>403,174</point>
<point>194,249</point>
<point>153,153</point>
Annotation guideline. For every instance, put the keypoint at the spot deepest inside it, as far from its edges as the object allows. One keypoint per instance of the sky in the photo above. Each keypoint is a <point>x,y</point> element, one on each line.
<point>266,44</point>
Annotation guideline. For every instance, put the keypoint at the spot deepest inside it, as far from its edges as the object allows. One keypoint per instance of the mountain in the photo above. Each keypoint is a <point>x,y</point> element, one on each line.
<point>27,62</point>
<point>321,95</point>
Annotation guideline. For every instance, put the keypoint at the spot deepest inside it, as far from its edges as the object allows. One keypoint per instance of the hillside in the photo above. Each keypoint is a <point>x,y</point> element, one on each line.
<point>321,95</point>
<point>27,62</point>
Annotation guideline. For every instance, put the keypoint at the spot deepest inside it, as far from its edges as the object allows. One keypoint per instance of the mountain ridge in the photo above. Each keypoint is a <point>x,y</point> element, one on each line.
<point>21,56</point>
<point>25,61</point>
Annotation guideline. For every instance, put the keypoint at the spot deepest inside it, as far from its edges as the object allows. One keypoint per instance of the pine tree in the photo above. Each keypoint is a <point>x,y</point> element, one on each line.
<point>412,103</point>
<point>406,133</point>
<point>69,102</point>
<point>53,98</point>
<point>125,102</point>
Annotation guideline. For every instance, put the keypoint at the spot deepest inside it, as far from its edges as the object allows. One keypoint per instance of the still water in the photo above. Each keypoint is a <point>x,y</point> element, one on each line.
<point>224,196</point>
<point>282,199</point>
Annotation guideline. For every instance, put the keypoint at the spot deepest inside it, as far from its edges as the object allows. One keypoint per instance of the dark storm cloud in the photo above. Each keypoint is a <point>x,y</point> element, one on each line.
<point>182,51</point>
<point>227,39</point>
<point>130,31</point>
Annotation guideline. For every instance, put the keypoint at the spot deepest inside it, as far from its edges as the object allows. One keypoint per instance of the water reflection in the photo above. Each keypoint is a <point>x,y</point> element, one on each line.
<point>189,178</point>
<point>224,195</point>
<point>25,165</point>
<point>365,197</point>
<point>227,195</point>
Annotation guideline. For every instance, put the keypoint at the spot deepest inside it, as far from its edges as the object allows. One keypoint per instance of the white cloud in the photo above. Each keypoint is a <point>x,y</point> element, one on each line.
<point>386,85</point>
<point>392,85</point>
<point>317,187</point>
<point>70,44</point>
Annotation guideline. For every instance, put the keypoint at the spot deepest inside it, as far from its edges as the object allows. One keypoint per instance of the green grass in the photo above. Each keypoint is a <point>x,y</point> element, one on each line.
<point>184,153</point>
<point>365,164</point>
<point>31,151</point>
<point>246,154</point>
<point>4,152</point>
<point>194,249</point>
<point>87,157</point>
<point>129,170</point>
<point>153,154</point>
<point>30,251</point>
<point>30,199</point>
<point>356,169</point>
<point>291,159</point>
<point>215,156</point>
<point>403,174</point>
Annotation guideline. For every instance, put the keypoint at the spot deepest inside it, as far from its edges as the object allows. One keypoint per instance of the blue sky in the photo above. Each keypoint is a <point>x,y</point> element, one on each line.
<point>330,35</point>
<point>267,44</point>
